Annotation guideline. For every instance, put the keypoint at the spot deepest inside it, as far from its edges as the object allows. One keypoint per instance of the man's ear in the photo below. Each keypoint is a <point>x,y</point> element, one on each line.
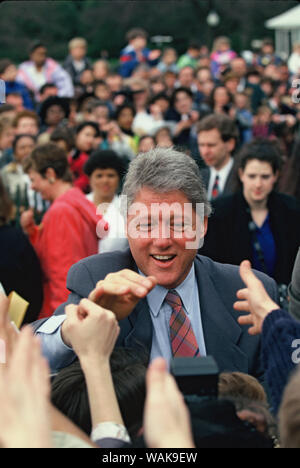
<point>231,145</point>
<point>240,173</point>
<point>50,174</point>
<point>205,225</point>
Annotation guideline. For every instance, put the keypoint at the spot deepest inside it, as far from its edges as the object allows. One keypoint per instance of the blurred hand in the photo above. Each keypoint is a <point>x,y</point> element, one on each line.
<point>120,292</point>
<point>90,330</point>
<point>155,111</point>
<point>194,116</point>
<point>8,334</point>
<point>154,54</point>
<point>166,417</point>
<point>25,396</point>
<point>182,125</point>
<point>27,221</point>
<point>253,299</point>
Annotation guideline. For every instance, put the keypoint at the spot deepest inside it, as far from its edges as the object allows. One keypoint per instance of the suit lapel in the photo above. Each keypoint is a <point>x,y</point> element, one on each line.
<point>139,323</point>
<point>221,330</point>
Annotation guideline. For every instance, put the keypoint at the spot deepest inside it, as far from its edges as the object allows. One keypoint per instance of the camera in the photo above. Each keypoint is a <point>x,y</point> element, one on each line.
<point>197,376</point>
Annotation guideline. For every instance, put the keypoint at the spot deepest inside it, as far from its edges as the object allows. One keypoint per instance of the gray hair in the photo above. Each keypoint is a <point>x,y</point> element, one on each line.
<point>164,170</point>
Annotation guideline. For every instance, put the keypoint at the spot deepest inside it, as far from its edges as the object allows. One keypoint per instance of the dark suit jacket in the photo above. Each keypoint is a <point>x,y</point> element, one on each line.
<point>230,184</point>
<point>228,239</point>
<point>231,345</point>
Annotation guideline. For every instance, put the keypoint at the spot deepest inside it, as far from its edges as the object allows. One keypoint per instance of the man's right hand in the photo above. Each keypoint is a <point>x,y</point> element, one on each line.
<point>120,292</point>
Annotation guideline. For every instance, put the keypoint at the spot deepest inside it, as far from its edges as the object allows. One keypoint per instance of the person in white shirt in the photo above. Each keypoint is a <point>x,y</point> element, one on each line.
<point>217,136</point>
<point>105,170</point>
<point>294,60</point>
<point>40,69</point>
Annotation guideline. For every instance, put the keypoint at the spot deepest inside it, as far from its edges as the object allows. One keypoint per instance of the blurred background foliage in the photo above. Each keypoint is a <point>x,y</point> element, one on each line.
<point>104,23</point>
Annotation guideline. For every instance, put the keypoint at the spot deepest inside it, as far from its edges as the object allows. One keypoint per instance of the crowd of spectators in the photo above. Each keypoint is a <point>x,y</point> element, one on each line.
<point>68,134</point>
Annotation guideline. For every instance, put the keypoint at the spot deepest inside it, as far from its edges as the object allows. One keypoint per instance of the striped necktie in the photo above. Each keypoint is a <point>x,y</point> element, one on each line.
<point>216,189</point>
<point>183,340</point>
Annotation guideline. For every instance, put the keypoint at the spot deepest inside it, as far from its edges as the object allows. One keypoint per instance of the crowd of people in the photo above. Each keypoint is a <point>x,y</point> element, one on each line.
<point>112,298</point>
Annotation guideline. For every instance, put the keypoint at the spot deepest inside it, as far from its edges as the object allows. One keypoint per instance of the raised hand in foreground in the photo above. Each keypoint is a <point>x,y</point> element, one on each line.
<point>166,417</point>
<point>24,396</point>
<point>93,332</point>
<point>253,299</point>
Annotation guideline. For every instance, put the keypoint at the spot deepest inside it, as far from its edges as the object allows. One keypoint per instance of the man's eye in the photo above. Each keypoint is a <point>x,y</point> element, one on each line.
<point>144,227</point>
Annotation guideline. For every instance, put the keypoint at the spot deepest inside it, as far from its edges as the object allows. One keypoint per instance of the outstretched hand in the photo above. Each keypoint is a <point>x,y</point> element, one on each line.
<point>25,396</point>
<point>253,299</point>
<point>91,330</point>
<point>166,417</point>
<point>120,292</point>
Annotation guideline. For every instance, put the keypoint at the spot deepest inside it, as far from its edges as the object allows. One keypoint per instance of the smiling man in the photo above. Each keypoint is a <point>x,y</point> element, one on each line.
<point>167,298</point>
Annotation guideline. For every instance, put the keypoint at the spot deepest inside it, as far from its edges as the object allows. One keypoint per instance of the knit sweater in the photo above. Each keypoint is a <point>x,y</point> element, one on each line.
<point>294,290</point>
<point>279,352</point>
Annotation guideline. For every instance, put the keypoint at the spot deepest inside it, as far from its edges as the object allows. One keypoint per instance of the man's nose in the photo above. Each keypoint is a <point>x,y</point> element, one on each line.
<point>161,237</point>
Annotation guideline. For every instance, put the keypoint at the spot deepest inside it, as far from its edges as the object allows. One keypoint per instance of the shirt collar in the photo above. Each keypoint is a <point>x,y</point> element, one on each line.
<point>157,296</point>
<point>223,173</point>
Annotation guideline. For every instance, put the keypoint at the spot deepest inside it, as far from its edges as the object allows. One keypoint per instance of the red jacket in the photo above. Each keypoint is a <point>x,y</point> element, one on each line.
<point>77,161</point>
<point>67,234</point>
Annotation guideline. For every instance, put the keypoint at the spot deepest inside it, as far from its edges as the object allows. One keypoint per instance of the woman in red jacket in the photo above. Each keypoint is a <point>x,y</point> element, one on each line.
<point>68,230</point>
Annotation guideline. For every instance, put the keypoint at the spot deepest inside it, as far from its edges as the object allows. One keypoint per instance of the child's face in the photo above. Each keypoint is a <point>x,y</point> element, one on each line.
<point>264,117</point>
<point>78,52</point>
<point>240,101</point>
<point>139,43</point>
<point>102,92</point>
<point>169,57</point>
<point>10,73</point>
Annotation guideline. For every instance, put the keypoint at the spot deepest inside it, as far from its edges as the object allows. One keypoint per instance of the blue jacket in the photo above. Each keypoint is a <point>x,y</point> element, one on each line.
<point>15,87</point>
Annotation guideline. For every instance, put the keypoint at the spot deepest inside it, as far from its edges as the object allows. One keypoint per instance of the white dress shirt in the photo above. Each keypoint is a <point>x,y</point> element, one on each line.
<point>223,175</point>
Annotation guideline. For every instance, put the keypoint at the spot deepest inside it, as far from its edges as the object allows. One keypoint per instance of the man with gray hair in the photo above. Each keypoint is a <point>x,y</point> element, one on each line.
<point>167,298</point>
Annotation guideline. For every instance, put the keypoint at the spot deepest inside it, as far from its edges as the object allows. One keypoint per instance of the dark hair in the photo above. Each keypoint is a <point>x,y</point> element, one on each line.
<point>181,89</point>
<point>47,86</point>
<point>36,45</point>
<point>54,101</point>
<point>88,123</point>
<point>263,150</point>
<point>136,32</point>
<point>99,83</point>
<point>128,368</point>
<point>6,108</point>
<point>104,159</point>
<point>22,135</point>
<point>211,100</point>
<point>224,124</point>
<point>158,96</point>
<point>63,133</point>
<point>119,109</point>
<point>49,156</point>
<point>6,205</point>
<point>4,64</point>
<point>194,44</point>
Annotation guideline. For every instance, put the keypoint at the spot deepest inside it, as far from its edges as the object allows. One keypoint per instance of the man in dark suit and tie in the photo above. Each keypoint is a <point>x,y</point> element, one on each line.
<point>167,298</point>
<point>217,137</point>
